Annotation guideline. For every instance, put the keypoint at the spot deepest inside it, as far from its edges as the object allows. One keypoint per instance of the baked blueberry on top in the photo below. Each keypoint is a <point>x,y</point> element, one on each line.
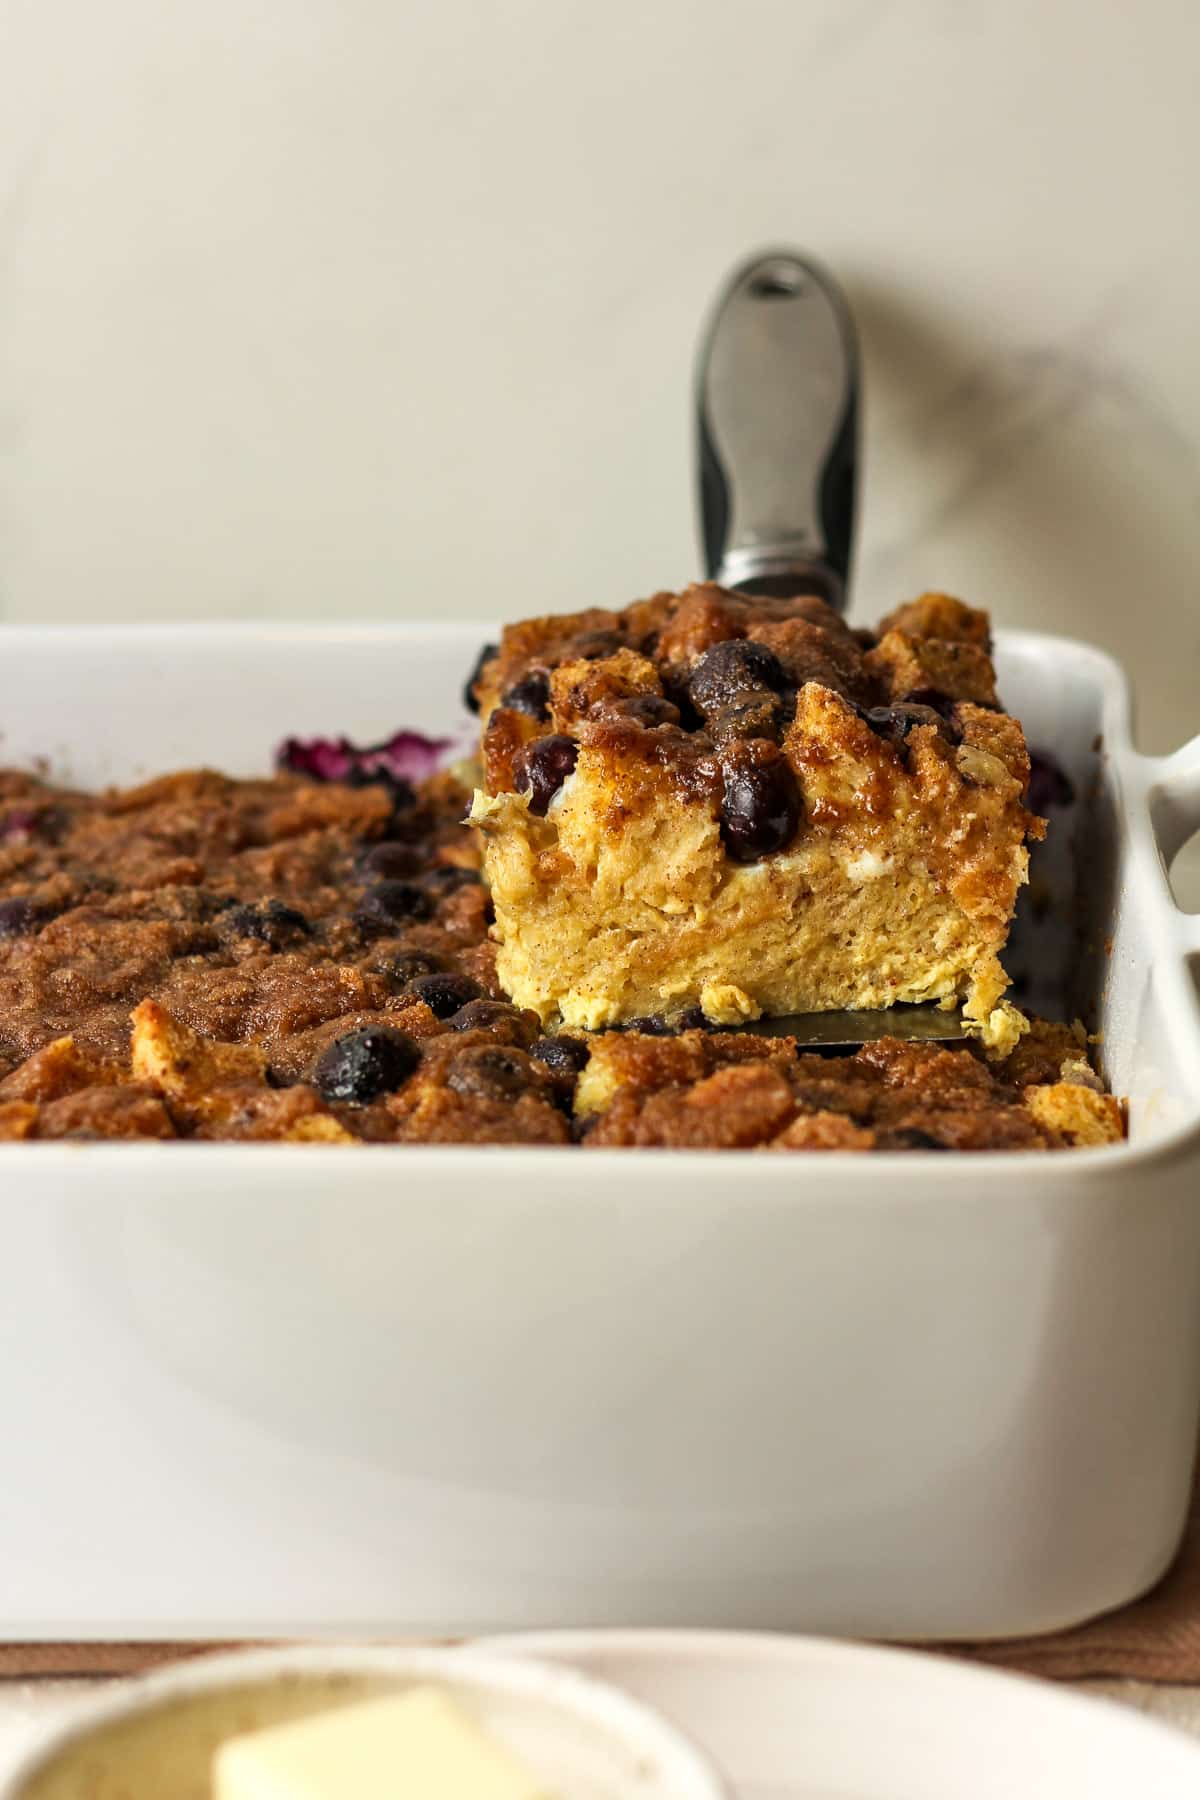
<point>737,803</point>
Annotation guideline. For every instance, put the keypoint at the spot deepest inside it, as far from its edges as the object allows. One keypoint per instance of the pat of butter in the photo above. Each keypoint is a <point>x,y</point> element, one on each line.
<point>418,1745</point>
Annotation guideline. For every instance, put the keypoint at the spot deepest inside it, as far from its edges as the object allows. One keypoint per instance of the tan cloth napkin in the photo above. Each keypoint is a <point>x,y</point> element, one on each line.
<point>1156,1638</point>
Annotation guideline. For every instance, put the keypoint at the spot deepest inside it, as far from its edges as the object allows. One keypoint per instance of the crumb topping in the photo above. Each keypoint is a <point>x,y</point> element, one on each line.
<point>706,684</point>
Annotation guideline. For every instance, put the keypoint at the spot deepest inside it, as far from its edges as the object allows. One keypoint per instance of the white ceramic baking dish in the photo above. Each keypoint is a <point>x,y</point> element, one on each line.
<point>285,1389</point>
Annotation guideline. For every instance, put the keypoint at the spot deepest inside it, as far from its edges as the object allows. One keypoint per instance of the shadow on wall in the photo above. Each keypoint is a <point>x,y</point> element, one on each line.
<point>1051,481</point>
<point>1055,475</point>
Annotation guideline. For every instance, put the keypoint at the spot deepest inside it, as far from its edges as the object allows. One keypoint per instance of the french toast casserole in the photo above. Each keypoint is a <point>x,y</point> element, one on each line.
<point>693,812</point>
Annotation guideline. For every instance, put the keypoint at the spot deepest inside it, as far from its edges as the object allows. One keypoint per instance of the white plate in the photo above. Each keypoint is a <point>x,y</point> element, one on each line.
<point>157,1736</point>
<point>804,1719</point>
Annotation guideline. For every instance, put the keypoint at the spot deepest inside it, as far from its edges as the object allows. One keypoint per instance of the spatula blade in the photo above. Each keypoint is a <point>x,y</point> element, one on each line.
<point>850,1030</point>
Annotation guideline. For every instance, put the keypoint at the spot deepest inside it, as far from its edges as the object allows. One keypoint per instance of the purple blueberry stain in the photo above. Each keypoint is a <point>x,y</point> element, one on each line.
<point>21,823</point>
<point>405,757</point>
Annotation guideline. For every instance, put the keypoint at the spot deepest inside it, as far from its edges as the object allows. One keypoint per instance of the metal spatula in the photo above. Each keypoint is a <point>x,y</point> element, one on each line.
<point>777,408</point>
<point>851,1030</point>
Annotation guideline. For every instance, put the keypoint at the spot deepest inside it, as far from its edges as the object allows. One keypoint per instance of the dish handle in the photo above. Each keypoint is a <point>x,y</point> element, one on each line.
<point>1174,802</point>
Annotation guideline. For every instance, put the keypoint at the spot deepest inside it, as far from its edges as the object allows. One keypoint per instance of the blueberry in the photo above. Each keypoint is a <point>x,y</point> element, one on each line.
<point>485,1015</point>
<point>676,690</point>
<point>277,920</point>
<point>540,769</point>
<point>448,878</point>
<point>936,701</point>
<point>390,904</point>
<point>649,1025</point>
<point>760,808</point>
<point>359,1067</point>
<point>470,701</point>
<point>731,673</point>
<point>490,1072</point>
<point>389,862</point>
<point>529,695</point>
<point>591,646</point>
<point>444,994</point>
<point>693,1020</point>
<point>895,722</point>
<point>206,906</point>
<point>759,716</point>
<point>405,813</point>
<point>268,921</point>
<point>401,967</point>
<point>910,1137</point>
<point>561,1055</point>
<point>17,918</point>
<point>648,710</point>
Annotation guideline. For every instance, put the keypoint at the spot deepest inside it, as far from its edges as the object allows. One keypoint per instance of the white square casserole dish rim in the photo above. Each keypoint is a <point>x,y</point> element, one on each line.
<point>1157,807</point>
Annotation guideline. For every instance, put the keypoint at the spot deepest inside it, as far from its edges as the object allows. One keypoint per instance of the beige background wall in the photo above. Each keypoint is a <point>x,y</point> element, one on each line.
<point>369,307</point>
